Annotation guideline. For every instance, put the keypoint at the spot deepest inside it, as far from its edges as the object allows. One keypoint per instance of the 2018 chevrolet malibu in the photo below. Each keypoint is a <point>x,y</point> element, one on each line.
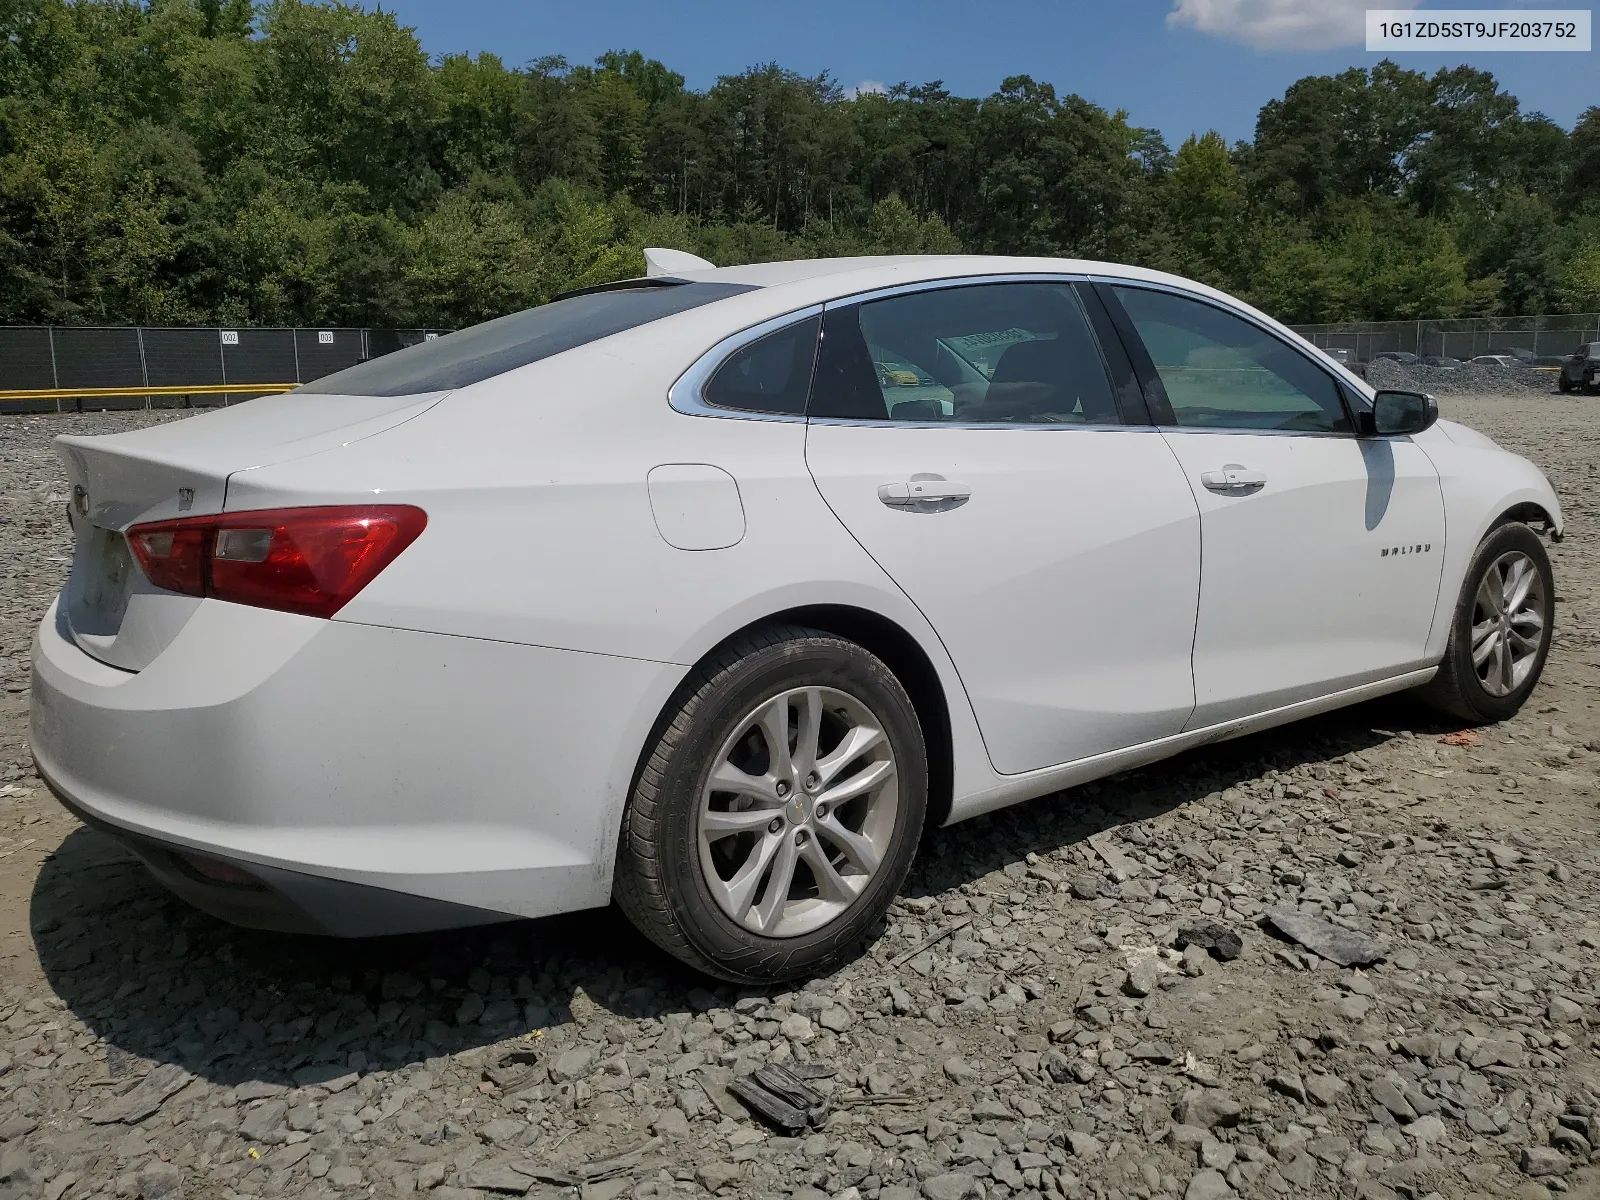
<point>706,592</point>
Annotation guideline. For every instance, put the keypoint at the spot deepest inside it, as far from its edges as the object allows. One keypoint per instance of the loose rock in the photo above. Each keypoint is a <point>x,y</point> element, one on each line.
<point>1345,947</point>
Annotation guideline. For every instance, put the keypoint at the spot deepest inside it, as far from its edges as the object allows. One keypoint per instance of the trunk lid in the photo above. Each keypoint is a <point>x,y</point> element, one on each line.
<point>181,469</point>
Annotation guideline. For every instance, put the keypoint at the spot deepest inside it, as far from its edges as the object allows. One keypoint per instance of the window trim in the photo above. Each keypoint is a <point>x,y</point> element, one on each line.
<point>1161,410</point>
<point>953,281</point>
<point>1125,384</point>
<point>687,394</point>
<point>948,283</point>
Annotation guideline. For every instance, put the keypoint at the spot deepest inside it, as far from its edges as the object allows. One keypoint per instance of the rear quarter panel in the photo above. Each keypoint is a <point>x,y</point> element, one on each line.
<point>540,527</point>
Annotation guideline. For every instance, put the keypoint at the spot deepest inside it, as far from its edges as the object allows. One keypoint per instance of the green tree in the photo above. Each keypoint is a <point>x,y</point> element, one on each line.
<point>200,160</point>
<point>1335,137</point>
<point>1204,198</point>
<point>895,229</point>
<point>352,100</point>
<point>1582,182</point>
<point>471,259</point>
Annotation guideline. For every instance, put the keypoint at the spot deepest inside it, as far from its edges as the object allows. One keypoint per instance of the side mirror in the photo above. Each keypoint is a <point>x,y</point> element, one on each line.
<point>1396,414</point>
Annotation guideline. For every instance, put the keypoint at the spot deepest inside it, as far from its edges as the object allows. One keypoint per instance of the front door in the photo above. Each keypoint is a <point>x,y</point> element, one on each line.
<point>1321,552</point>
<point>969,439</point>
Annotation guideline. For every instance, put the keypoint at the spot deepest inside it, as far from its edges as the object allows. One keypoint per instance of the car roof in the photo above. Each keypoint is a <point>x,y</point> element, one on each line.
<point>867,272</point>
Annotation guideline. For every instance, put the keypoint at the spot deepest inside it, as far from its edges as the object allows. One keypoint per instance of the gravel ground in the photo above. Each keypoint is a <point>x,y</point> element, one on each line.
<point>1025,1025</point>
<point>1463,381</point>
<point>1469,379</point>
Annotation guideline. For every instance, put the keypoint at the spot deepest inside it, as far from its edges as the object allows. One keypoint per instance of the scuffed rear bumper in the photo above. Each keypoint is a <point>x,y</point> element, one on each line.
<point>372,780</point>
<point>285,901</point>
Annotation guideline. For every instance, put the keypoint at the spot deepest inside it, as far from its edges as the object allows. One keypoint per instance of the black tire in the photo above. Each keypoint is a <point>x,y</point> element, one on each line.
<point>1457,688</point>
<point>1562,385</point>
<point>659,883</point>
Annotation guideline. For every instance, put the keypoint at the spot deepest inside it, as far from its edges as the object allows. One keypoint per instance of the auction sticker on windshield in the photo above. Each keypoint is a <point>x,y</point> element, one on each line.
<point>1390,29</point>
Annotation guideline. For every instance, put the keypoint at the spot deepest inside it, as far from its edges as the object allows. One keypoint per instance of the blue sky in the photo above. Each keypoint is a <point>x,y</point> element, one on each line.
<point>1178,65</point>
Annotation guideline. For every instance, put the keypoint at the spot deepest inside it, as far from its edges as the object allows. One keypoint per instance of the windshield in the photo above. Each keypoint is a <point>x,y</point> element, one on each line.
<point>495,347</point>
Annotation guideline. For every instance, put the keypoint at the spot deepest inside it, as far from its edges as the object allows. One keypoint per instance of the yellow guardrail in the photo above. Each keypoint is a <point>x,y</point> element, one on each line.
<point>264,389</point>
<point>201,389</point>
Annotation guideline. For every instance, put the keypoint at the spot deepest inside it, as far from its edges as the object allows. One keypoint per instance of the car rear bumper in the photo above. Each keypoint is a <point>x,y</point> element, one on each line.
<point>364,779</point>
<point>260,897</point>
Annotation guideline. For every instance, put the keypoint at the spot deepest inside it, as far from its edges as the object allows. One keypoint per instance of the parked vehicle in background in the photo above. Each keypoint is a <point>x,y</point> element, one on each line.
<point>1581,369</point>
<point>1404,357</point>
<point>1346,358</point>
<point>890,375</point>
<point>1498,360</point>
<point>671,592</point>
<point>1436,360</point>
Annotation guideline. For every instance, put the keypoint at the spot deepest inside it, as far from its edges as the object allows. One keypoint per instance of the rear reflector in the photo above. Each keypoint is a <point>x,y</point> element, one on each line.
<point>219,872</point>
<point>301,560</point>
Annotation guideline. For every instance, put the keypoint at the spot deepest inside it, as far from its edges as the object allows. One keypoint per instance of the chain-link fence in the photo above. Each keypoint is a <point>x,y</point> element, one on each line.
<point>1541,341</point>
<point>226,365</point>
<point>220,364</point>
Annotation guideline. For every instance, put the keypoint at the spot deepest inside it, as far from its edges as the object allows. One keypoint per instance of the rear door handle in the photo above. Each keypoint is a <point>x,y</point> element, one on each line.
<point>1233,479</point>
<point>916,493</point>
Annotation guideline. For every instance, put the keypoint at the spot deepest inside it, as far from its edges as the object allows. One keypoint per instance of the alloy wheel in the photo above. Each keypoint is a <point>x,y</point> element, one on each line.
<point>1507,623</point>
<point>798,812</point>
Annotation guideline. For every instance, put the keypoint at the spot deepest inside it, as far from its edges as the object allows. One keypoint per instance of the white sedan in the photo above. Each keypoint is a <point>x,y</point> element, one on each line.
<point>706,592</point>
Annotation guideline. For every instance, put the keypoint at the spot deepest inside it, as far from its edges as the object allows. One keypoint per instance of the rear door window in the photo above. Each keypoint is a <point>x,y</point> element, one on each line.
<point>1020,353</point>
<point>472,355</point>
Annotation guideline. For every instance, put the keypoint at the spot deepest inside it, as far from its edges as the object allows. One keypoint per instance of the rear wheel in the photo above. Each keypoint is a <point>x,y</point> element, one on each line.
<point>779,810</point>
<point>1501,631</point>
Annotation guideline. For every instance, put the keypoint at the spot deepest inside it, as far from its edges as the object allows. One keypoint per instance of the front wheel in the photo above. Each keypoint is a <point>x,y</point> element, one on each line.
<point>1500,635</point>
<point>778,812</point>
<point>1562,385</point>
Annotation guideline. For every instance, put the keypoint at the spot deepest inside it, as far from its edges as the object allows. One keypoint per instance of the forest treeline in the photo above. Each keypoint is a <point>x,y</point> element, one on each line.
<point>206,161</point>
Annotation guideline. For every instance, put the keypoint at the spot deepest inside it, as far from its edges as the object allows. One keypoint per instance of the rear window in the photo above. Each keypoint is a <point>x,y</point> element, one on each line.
<point>495,347</point>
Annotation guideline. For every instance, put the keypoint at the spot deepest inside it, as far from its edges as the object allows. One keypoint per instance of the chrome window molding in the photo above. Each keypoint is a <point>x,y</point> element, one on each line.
<point>1237,430</point>
<point>687,395</point>
<point>1052,426</point>
<point>944,284</point>
<point>1340,387</point>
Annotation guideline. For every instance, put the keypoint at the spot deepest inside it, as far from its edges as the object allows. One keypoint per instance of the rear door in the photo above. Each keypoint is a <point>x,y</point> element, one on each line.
<point>1321,551</point>
<point>971,438</point>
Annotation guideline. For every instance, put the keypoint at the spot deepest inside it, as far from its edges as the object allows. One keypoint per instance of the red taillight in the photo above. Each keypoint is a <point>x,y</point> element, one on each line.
<point>173,555</point>
<point>301,560</point>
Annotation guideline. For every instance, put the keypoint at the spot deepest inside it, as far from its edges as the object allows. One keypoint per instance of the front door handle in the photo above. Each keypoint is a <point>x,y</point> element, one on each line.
<point>933,494</point>
<point>1233,480</point>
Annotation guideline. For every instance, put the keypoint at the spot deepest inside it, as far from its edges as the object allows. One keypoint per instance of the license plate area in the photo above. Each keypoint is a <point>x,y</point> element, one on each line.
<point>102,568</point>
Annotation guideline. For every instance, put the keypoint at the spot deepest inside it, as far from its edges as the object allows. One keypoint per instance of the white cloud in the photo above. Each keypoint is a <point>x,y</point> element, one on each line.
<point>866,86</point>
<point>1281,24</point>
